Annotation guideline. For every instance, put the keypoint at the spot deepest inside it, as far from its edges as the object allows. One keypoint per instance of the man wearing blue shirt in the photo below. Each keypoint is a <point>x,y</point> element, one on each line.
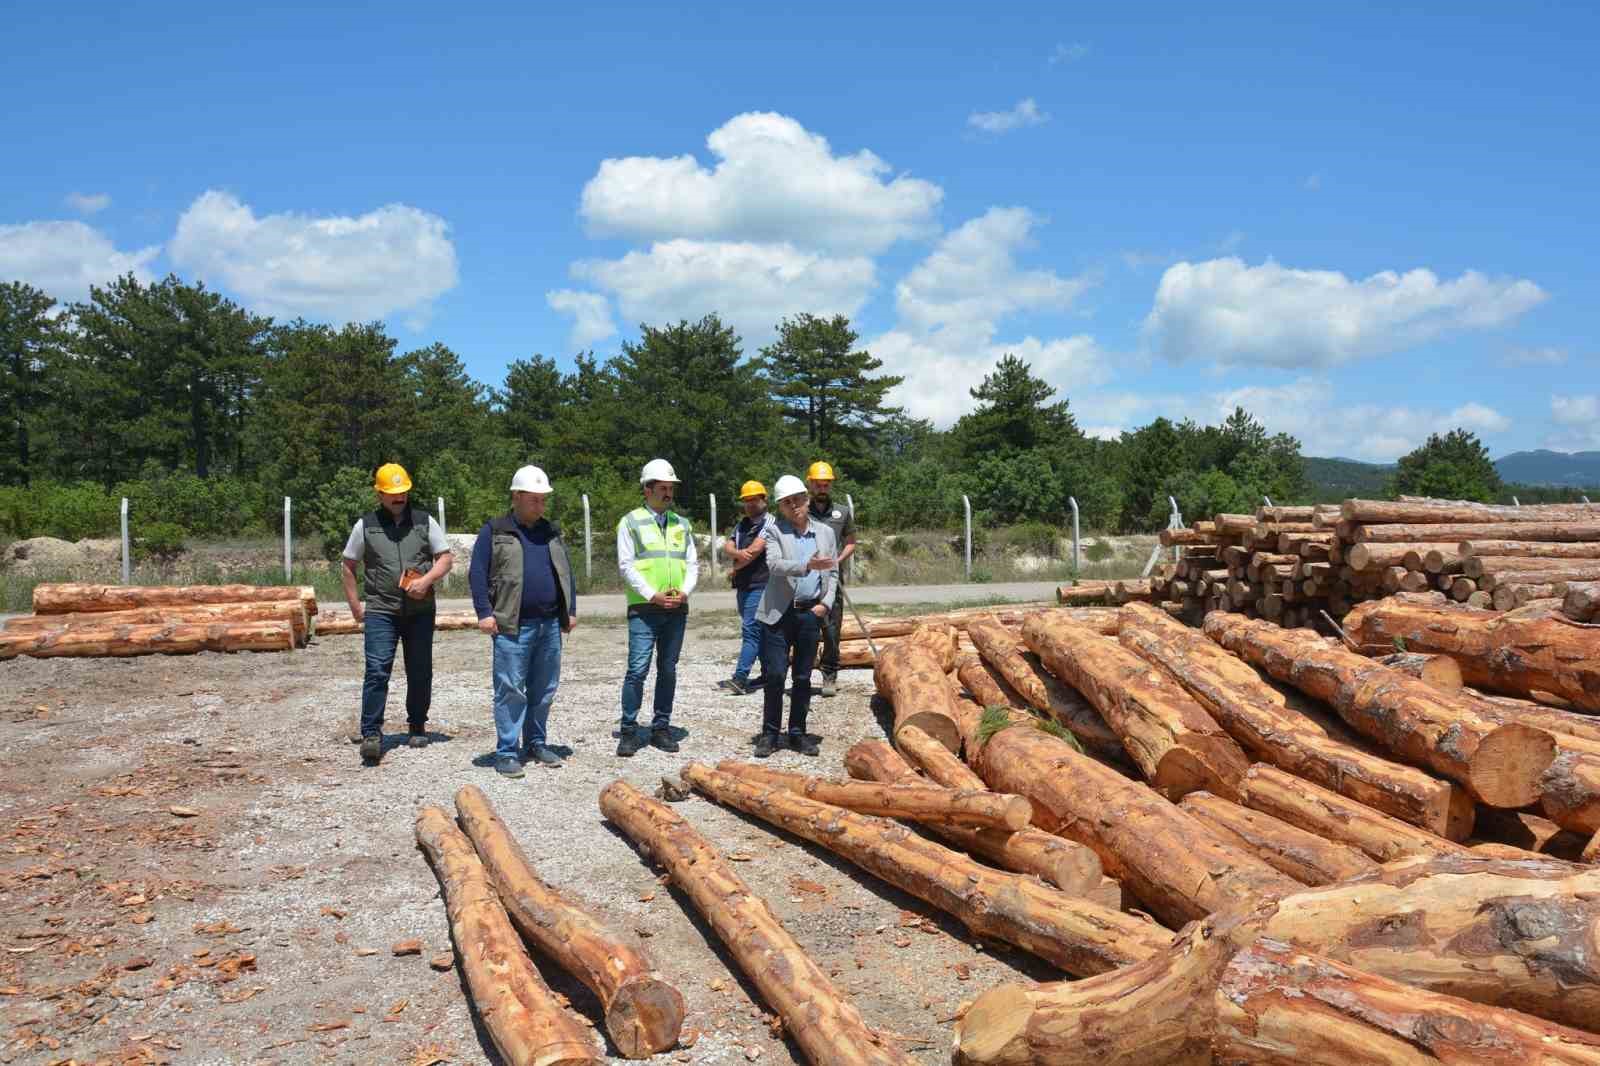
<point>525,596</point>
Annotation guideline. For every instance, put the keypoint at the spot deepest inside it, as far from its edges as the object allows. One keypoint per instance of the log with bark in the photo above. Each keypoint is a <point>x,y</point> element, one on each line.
<point>119,641</point>
<point>1580,600</point>
<point>1337,818</point>
<point>1570,791</point>
<point>936,760</point>
<point>528,1025</point>
<point>1499,764</point>
<point>291,611</point>
<point>1440,671</point>
<point>1477,566</point>
<point>1561,723</point>
<point>1448,511</point>
<point>1543,575</point>
<point>1511,597</point>
<point>1518,653</point>
<point>1530,833</point>
<point>643,1013</point>
<point>1169,736</point>
<point>1530,549</point>
<point>337,623</point>
<point>1066,707</point>
<point>74,597</point>
<point>1556,532</point>
<point>1086,594</point>
<point>1259,718</point>
<point>1080,937</point>
<point>912,678</point>
<point>1304,856</point>
<point>932,804</point>
<point>1378,556</point>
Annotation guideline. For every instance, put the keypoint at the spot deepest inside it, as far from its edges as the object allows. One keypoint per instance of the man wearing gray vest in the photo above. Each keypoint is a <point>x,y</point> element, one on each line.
<point>525,596</point>
<point>403,554</point>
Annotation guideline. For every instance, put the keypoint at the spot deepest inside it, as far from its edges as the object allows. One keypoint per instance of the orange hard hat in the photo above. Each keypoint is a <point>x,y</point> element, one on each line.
<point>392,477</point>
<point>820,471</point>
<point>751,488</point>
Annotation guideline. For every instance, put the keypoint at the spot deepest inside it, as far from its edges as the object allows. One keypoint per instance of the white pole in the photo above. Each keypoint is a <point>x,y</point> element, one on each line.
<point>127,564</point>
<point>288,543</point>
<point>1176,522</point>
<point>1586,499</point>
<point>440,501</point>
<point>1077,565</point>
<point>713,536</point>
<point>1266,499</point>
<point>850,563</point>
<point>966,505</point>
<point>1516,501</point>
<point>588,548</point>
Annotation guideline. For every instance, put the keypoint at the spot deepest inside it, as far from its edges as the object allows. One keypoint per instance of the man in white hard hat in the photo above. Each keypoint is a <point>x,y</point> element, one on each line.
<point>800,589</point>
<point>523,591</point>
<point>655,552</point>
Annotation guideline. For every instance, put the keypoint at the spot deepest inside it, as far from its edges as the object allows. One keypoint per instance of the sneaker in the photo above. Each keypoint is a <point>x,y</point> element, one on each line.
<point>829,684</point>
<point>766,744</point>
<point>508,766</point>
<point>418,738</point>
<point>371,749</point>
<point>804,745</point>
<point>543,756</point>
<point>631,742</point>
<point>734,685</point>
<point>662,738</point>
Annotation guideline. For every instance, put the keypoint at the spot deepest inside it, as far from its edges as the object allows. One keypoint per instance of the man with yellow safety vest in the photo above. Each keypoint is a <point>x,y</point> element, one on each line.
<point>403,553</point>
<point>819,481</point>
<point>747,552</point>
<point>656,555</point>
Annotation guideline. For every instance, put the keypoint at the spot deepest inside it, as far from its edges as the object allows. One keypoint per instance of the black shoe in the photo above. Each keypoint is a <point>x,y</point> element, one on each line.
<point>829,684</point>
<point>804,745</point>
<point>508,766</point>
<point>766,744</point>
<point>371,749</point>
<point>631,742</point>
<point>540,755</point>
<point>662,738</point>
<point>755,684</point>
<point>735,686</point>
<point>418,738</point>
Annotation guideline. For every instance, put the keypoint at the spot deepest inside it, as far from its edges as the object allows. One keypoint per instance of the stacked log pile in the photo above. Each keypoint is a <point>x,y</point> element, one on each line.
<point>855,649</point>
<point>79,620</point>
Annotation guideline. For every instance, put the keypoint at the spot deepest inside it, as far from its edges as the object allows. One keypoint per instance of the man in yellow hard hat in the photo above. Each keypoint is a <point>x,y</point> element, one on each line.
<point>747,552</point>
<point>819,482</point>
<point>403,553</point>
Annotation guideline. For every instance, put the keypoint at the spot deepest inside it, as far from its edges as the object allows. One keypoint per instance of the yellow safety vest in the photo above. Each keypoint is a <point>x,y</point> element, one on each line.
<point>662,558</point>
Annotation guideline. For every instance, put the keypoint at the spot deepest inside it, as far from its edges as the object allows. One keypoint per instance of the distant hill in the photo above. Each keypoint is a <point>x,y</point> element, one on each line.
<point>1339,479</point>
<point>1562,469</point>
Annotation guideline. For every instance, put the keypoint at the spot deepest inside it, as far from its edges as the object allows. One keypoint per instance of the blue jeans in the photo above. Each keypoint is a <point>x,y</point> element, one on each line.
<point>748,600</point>
<point>381,634</point>
<point>649,631</point>
<point>527,668</point>
<point>800,630</point>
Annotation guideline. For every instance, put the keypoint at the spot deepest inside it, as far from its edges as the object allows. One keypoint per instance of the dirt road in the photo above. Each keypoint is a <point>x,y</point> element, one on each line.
<point>194,867</point>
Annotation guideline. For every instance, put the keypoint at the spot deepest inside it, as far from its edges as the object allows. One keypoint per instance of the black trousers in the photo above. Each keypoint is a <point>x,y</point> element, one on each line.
<point>830,636</point>
<point>799,628</point>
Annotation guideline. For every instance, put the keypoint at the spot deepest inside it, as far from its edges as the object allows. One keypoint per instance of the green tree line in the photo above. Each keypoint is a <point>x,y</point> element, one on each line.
<point>206,415</point>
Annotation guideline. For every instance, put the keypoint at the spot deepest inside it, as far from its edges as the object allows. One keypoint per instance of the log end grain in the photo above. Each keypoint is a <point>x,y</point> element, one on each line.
<point>1508,764</point>
<point>994,1030</point>
<point>939,726</point>
<point>645,1018</point>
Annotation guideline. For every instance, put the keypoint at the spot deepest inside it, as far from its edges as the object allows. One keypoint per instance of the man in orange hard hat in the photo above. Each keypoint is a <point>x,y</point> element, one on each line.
<point>747,552</point>
<point>403,553</point>
<point>819,482</point>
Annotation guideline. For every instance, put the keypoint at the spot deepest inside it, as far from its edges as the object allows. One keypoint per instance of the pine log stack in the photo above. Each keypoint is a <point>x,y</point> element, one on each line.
<point>337,623</point>
<point>855,650</point>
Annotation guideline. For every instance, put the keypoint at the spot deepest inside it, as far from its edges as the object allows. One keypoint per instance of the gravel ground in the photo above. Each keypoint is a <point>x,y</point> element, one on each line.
<point>195,868</point>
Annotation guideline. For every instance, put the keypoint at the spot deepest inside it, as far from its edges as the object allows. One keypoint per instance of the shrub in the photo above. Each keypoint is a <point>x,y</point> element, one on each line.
<point>1098,551</point>
<point>159,540</point>
<point>1031,537</point>
<point>346,497</point>
<point>70,511</point>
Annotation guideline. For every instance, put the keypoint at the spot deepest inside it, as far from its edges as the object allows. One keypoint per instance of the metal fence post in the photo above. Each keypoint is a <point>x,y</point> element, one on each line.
<point>850,563</point>
<point>588,547</point>
<point>442,526</point>
<point>288,543</point>
<point>1174,521</point>
<point>1516,502</point>
<point>966,505</point>
<point>1077,567</point>
<point>1585,499</point>
<point>127,559</point>
<point>713,536</point>
<point>1266,499</point>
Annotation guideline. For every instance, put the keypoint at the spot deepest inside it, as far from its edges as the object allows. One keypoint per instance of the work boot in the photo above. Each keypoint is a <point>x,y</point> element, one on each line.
<point>508,766</point>
<point>828,684</point>
<point>805,745</point>
<point>543,756</point>
<point>766,744</point>
<point>662,738</point>
<point>418,737</point>
<point>630,743</point>
<point>371,749</point>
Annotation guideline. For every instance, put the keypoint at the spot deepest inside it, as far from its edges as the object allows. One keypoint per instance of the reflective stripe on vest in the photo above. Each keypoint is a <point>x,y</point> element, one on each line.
<point>661,558</point>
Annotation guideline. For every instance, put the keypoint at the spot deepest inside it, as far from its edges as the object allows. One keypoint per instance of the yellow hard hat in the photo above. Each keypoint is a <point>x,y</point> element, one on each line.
<point>820,471</point>
<point>751,488</point>
<point>392,477</point>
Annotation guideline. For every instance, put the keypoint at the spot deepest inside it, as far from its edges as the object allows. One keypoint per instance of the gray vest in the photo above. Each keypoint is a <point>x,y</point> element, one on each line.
<point>392,548</point>
<point>505,572</point>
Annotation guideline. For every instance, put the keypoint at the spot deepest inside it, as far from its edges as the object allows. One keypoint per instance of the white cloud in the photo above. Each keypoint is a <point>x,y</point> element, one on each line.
<point>1026,113</point>
<point>938,378</point>
<point>750,285</point>
<point>65,258</point>
<point>88,203</point>
<point>395,259</point>
<point>1575,410</point>
<point>1535,357</point>
<point>591,315</point>
<point>774,181</point>
<point>1068,53</point>
<point>1578,416</point>
<point>1272,315</point>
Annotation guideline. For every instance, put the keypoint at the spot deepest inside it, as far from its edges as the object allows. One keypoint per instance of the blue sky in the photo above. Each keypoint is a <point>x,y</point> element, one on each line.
<point>1365,224</point>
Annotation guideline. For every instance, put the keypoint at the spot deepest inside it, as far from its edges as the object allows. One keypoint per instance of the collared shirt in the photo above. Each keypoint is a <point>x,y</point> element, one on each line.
<point>808,587</point>
<point>837,518</point>
<point>630,572</point>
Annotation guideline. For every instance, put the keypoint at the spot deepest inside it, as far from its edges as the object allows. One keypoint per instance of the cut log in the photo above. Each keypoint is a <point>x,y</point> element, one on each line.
<point>1080,937</point>
<point>1069,866</point>
<point>1580,600</point>
<point>180,638</point>
<point>1591,850</point>
<point>1304,856</point>
<point>1085,595</point>
<point>1333,817</point>
<point>1511,597</point>
<point>827,1026</point>
<point>291,611</point>
<point>936,760</point>
<point>644,1013</point>
<point>1174,538</point>
<point>336,623</point>
<point>1441,559</point>
<point>1476,566</point>
<point>1530,833</point>
<point>1462,588</point>
<point>1443,511</point>
<point>1516,934</point>
<point>1456,532</point>
<point>1169,736</point>
<point>74,597</point>
<point>911,678</point>
<point>1518,654</point>
<point>1003,649</point>
<point>1067,707</point>
<point>1363,557</point>
<point>1277,1006</point>
<point>523,1017</point>
<point>1543,575</point>
<point>1501,765</point>
<point>1172,863</point>
<point>1103,618</point>
<point>1530,549</point>
<point>1440,671</point>
<point>1554,720</point>
<point>1570,791</point>
<point>933,804</point>
<point>1257,716</point>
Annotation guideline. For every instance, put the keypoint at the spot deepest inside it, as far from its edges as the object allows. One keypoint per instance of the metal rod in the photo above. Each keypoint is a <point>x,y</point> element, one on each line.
<point>1077,566</point>
<point>713,551</point>
<point>850,563</point>
<point>442,527</point>
<point>1267,498</point>
<point>966,505</point>
<point>857,615</point>
<point>588,547</point>
<point>288,542</point>
<point>127,564</point>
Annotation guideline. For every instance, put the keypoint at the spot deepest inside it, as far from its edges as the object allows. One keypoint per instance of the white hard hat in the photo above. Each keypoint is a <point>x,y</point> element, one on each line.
<point>788,485</point>
<point>657,470</point>
<point>530,479</point>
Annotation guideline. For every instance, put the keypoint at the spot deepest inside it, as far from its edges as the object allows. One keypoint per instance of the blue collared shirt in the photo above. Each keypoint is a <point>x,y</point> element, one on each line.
<point>808,587</point>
